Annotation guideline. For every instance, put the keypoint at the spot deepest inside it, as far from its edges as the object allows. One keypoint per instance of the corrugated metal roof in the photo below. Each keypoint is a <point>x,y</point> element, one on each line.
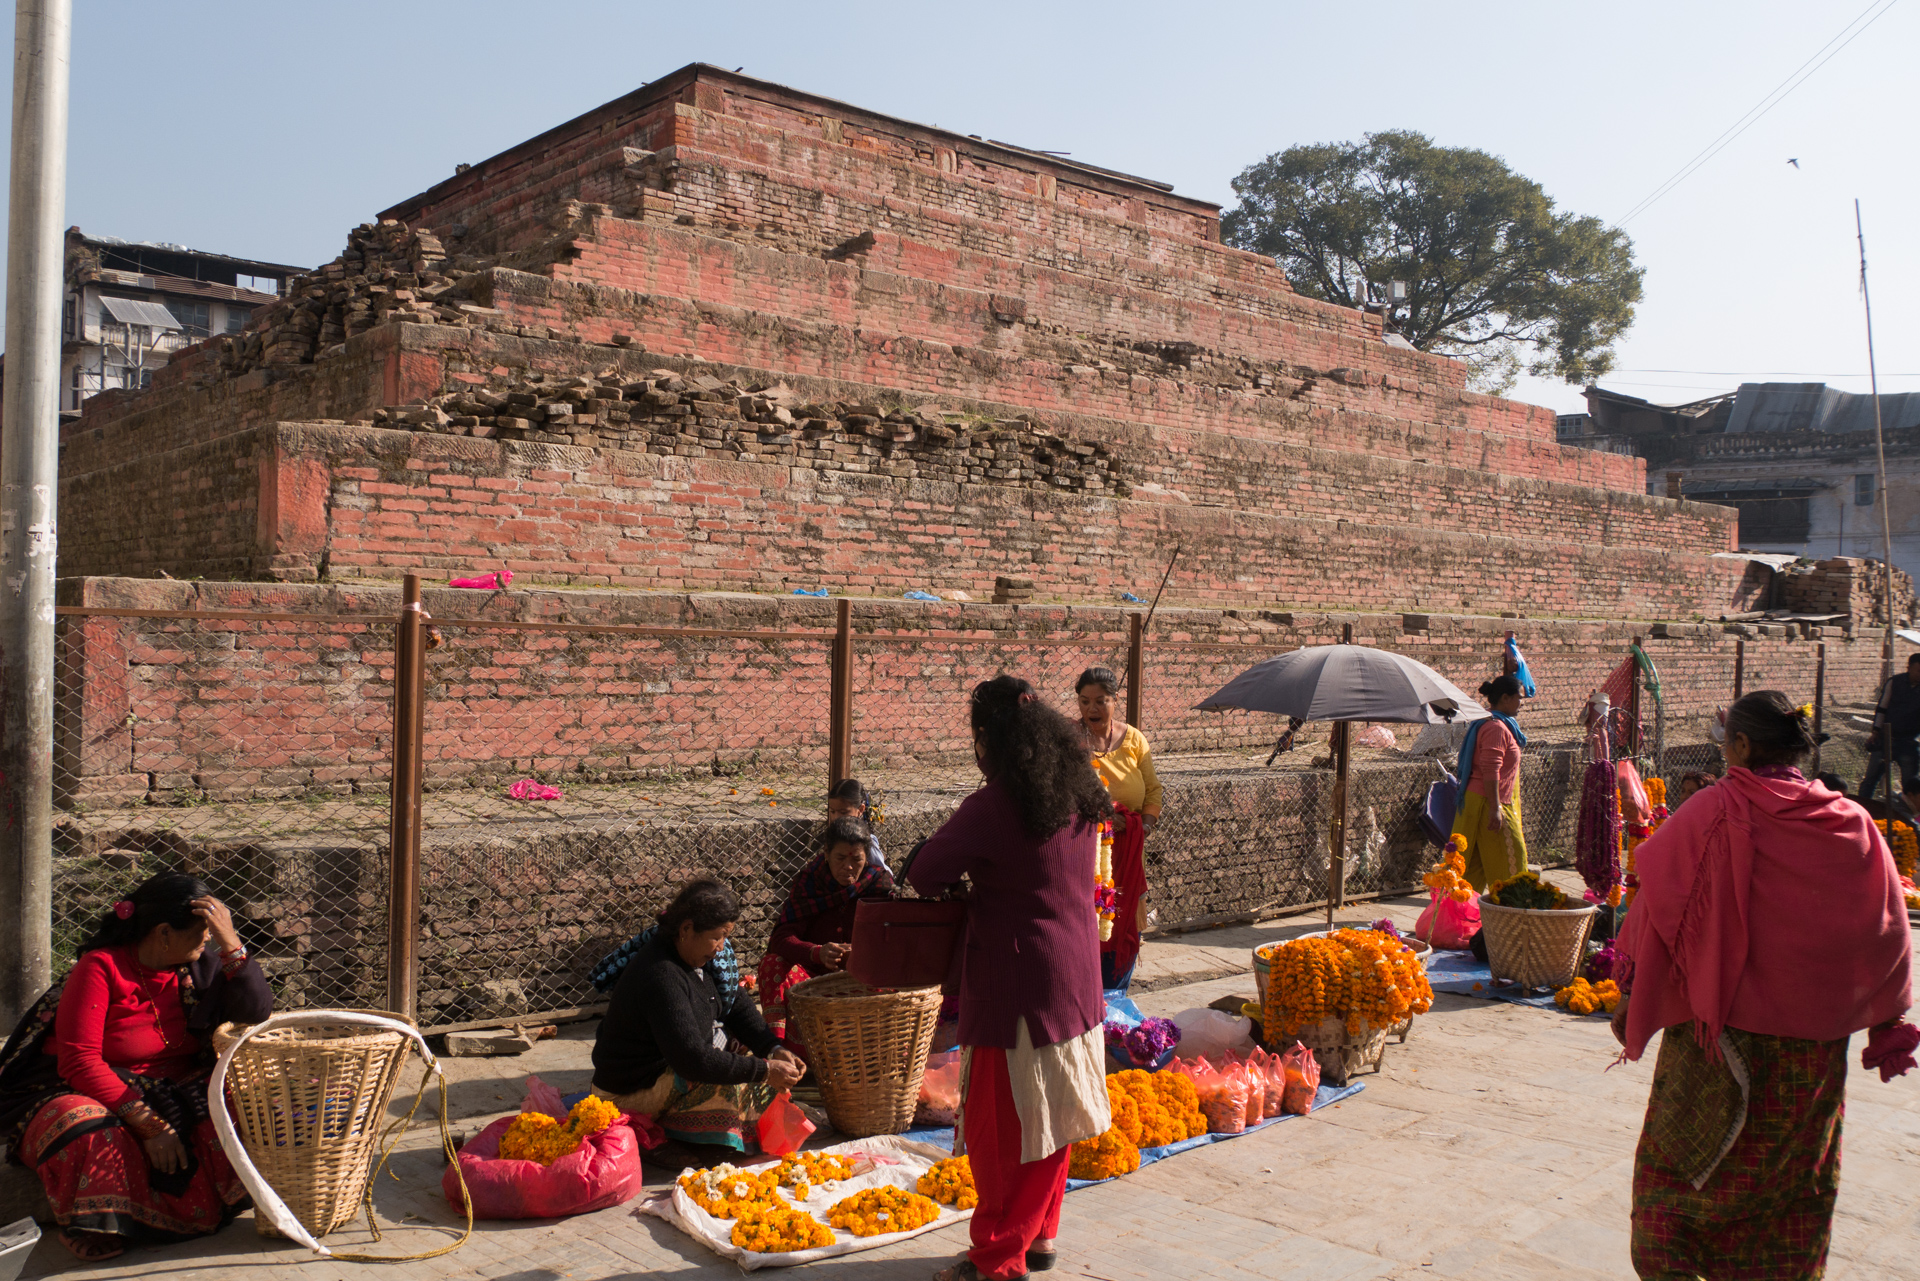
<point>132,311</point>
<point>1764,484</point>
<point>1762,407</point>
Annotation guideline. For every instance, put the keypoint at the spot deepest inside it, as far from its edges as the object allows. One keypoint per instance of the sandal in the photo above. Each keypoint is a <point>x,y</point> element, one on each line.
<point>963,1270</point>
<point>92,1247</point>
<point>1042,1260</point>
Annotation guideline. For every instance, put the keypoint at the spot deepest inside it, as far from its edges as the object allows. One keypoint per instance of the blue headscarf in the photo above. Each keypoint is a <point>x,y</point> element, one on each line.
<point>1520,672</point>
<point>725,967</point>
<point>1473,736</point>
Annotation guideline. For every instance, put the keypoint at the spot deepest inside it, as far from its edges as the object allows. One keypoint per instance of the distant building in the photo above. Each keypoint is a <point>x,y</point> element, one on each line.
<point>1797,460</point>
<point>130,305</point>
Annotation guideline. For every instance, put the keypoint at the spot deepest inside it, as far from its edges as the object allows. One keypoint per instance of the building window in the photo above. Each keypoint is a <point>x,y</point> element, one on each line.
<point>1772,520</point>
<point>237,318</point>
<point>1863,490</point>
<point>193,317</point>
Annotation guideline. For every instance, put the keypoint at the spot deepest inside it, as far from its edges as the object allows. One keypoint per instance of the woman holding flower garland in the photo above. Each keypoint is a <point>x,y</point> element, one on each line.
<point>1032,1071</point>
<point>814,934</point>
<point>1768,928</point>
<point>103,1083</point>
<point>1124,763</point>
<point>1488,816</point>
<point>662,1048</point>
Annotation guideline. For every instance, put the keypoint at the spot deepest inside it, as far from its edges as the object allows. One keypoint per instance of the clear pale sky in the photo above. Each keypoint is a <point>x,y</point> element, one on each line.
<point>267,130</point>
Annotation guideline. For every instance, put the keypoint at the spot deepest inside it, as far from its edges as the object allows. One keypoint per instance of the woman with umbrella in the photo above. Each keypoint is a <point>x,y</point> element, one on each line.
<point>1488,816</point>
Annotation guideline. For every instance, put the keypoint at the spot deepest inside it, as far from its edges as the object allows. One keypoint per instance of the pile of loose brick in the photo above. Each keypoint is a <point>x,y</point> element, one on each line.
<point>702,416</point>
<point>1848,585</point>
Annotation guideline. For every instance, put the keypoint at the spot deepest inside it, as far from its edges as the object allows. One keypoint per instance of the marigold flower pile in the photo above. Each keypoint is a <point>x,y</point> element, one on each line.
<point>1904,843</point>
<point>535,1136</point>
<point>1581,997</point>
<point>725,1190</point>
<point>1448,877</point>
<point>1102,1158</point>
<point>1150,1114</point>
<point>803,1171</point>
<point>878,1211</point>
<point>950,1182</point>
<point>776,1228</point>
<point>1360,976</point>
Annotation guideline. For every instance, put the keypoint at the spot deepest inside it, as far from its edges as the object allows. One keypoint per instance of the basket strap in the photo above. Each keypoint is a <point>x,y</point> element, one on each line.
<point>267,1202</point>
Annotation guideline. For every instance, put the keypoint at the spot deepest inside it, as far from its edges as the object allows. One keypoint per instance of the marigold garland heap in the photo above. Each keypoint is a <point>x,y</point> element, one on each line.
<point>1104,1157</point>
<point>1448,877</point>
<point>950,1182</point>
<point>535,1136</point>
<point>778,1228</point>
<point>878,1211</point>
<point>725,1190</point>
<point>1581,997</point>
<point>1362,977</point>
<point>1904,844</point>
<point>1154,1124</point>
<point>804,1171</point>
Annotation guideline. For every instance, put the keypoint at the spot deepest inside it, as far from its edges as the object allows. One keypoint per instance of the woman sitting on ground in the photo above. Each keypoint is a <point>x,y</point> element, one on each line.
<point>849,799</point>
<point>103,1085</point>
<point>1769,927</point>
<point>663,1048</point>
<point>814,934</point>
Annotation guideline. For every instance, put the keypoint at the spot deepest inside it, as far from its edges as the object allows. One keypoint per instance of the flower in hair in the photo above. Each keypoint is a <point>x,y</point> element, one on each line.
<point>124,909</point>
<point>1804,711</point>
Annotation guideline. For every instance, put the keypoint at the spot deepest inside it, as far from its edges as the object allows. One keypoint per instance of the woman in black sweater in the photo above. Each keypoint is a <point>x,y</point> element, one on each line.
<point>662,1050</point>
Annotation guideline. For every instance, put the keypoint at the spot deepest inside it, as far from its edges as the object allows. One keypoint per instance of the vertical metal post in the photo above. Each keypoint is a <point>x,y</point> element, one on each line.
<point>29,495</point>
<point>1342,744</point>
<point>1633,698</point>
<point>403,884</point>
<point>1136,664</point>
<point>1819,699</point>
<point>840,697</point>
<point>1739,669</point>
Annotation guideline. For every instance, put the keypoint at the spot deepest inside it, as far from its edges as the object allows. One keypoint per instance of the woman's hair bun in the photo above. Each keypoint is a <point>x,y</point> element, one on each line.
<point>1779,731</point>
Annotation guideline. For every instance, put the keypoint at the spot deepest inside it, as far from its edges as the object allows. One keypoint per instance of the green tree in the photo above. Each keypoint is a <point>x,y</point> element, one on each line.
<point>1493,273</point>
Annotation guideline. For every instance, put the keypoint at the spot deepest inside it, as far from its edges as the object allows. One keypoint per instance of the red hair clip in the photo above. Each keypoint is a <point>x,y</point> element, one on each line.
<point>124,909</point>
<point>1026,698</point>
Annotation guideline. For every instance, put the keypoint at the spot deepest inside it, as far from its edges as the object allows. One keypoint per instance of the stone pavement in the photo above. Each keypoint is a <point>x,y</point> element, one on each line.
<point>1494,1145</point>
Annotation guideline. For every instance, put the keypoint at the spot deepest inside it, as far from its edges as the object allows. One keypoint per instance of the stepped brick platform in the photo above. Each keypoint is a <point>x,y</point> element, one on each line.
<point>720,334</point>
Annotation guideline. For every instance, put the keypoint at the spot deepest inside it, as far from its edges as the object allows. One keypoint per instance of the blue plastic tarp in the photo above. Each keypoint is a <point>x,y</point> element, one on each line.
<point>1460,974</point>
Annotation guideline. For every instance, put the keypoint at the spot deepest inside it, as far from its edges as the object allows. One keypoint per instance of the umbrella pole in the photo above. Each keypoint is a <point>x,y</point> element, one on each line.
<point>1337,869</point>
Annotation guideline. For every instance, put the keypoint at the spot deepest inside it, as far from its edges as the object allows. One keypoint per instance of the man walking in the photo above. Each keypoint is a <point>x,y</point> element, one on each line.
<point>1899,706</point>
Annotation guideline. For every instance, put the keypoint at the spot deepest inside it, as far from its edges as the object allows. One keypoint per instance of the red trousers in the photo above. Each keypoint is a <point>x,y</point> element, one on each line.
<point>1019,1200</point>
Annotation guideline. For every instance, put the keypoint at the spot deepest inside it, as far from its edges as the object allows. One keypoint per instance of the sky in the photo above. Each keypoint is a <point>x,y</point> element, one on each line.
<point>268,131</point>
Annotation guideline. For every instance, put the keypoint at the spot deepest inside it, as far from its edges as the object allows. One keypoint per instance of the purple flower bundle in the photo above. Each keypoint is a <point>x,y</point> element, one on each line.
<point>1145,1045</point>
<point>1386,927</point>
<point>1600,964</point>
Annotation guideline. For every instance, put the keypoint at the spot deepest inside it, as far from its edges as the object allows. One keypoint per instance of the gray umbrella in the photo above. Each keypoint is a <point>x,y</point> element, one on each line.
<point>1345,683</point>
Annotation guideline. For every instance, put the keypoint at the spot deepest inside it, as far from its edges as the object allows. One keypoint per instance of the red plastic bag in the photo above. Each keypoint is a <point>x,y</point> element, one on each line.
<point>603,1171</point>
<point>1303,1079</point>
<point>783,1126</point>
<point>1446,924</point>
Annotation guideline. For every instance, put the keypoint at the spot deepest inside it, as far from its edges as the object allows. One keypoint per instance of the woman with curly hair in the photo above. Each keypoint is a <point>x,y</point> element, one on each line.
<point>1769,927</point>
<point>1032,1071</point>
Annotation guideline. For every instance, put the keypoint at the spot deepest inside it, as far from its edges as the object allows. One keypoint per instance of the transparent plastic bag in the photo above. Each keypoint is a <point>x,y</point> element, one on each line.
<point>1303,1079</point>
<point>939,1090</point>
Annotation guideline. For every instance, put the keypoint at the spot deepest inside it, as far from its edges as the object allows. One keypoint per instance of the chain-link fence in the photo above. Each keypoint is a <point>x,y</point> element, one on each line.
<point>252,751</point>
<point>575,773</point>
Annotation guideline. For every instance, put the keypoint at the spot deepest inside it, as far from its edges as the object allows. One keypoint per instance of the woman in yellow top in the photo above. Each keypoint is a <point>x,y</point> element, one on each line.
<point>1125,764</point>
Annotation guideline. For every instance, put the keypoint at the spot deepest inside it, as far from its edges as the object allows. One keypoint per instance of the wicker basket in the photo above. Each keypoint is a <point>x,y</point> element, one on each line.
<point>1339,1052</point>
<point>1263,959</point>
<point>309,1104</point>
<point>1536,948</point>
<point>868,1047</point>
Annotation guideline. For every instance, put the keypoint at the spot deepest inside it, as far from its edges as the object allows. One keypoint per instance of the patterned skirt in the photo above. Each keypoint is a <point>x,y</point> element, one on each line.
<point>1739,1160</point>
<point>693,1112</point>
<point>98,1180</point>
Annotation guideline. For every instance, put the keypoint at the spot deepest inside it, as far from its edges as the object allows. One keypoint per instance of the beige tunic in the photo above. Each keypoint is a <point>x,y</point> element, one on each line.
<point>1059,1091</point>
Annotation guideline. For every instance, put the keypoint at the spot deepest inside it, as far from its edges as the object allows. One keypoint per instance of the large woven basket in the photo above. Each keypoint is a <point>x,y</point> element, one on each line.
<point>1536,948</point>
<point>1263,959</point>
<point>309,1104</point>
<point>1340,1053</point>
<point>868,1047</point>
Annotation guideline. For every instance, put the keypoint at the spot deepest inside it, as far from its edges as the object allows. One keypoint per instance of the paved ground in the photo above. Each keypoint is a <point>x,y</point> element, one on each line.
<point>1494,1145</point>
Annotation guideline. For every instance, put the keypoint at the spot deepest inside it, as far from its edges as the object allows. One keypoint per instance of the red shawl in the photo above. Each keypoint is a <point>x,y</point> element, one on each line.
<point>1769,903</point>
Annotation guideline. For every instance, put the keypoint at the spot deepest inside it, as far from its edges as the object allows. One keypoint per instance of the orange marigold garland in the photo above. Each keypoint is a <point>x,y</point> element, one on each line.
<point>535,1136</point>
<point>725,1190</point>
<point>1581,997</point>
<point>950,1182</point>
<point>777,1228</point>
<point>1181,1100</point>
<point>1448,877</point>
<point>1155,1125</point>
<point>1364,977</point>
<point>878,1211</point>
<point>804,1171</point>
<point>1126,1112</point>
<point>1104,1157</point>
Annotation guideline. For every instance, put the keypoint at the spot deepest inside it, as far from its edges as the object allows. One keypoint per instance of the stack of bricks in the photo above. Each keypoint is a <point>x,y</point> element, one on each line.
<point>1012,591</point>
<point>1852,586</point>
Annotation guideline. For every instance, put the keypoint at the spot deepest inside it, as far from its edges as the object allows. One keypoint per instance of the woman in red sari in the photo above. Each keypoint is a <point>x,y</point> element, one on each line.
<point>814,934</point>
<point>103,1083</point>
<point>1768,928</point>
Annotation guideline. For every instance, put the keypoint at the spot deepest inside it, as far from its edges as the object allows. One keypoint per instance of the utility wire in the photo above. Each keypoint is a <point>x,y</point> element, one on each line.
<point>1766,104</point>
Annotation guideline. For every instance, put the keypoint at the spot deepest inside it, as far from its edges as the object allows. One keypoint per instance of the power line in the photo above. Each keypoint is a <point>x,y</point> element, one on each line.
<point>1767,103</point>
<point>1749,373</point>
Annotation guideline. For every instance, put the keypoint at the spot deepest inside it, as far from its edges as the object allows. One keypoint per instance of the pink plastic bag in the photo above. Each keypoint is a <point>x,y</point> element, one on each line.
<point>1635,808</point>
<point>528,789</point>
<point>1303,1079</point>
<point>544,1099</point>
<point>939,1090</point>
<point>494,582</point>
<point>1446,924</point>
<point>603,1171</point>
<point>783,1126</point>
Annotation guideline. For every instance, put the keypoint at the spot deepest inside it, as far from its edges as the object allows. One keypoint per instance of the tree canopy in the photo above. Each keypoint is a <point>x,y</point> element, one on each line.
<point>1494,274</point>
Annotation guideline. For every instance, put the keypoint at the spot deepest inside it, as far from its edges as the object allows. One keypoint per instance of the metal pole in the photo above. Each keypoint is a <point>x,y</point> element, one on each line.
<point>1633,698</point>
<point>1739,669</point>
<point>1886,512</point>
<point>403,885</point>
<point>1136,664</point>
<point>1819,698</point>
<point>29,493</point>
<point>840,698</point>
<point>1337,868</point>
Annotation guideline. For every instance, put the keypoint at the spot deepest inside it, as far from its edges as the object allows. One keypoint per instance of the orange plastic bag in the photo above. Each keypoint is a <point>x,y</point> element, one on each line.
<point>1252,1084</point>
<point>1265,1068</point>
<point>1223,1102</point>
<point>939,1090</point>
<point>783,1126</point>
<point>1303,1079</point>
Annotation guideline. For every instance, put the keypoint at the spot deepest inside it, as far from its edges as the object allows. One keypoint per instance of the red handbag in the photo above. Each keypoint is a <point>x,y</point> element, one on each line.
<point>905,942</point>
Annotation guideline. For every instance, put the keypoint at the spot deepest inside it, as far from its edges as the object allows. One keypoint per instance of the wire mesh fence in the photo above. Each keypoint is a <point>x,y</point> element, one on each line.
<point>250,751</point>
<point>575,774</point>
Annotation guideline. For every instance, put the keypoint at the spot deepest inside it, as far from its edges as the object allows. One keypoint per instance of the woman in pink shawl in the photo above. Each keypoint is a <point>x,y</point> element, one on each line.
<point>1769,927</point>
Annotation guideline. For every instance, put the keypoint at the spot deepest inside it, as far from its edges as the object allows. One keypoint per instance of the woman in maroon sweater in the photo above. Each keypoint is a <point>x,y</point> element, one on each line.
<point>103,1083</point>
<point>1031,1011</point>
<point>814,934</point>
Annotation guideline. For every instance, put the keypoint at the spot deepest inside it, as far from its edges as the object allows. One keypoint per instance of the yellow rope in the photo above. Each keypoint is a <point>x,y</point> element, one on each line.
<point>446,1144</point>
